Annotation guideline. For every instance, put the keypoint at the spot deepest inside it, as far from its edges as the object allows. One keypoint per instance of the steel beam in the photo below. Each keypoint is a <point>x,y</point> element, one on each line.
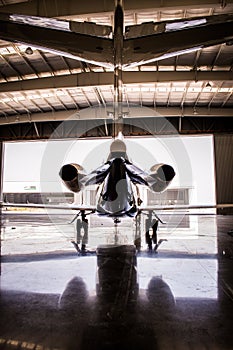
<point>58,82</point>
<point>106,78</point>
<point>77,8</point>
<point>74,129</point>
<point>133,112</point>
<point>175,76</point>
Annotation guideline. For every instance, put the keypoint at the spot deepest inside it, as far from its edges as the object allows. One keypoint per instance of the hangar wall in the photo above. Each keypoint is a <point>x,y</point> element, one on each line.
<point>2,147</point>
<point>1,185</point>
<point>223,145</point>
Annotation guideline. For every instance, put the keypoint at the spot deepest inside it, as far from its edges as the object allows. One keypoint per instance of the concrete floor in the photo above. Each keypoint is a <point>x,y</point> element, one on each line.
<point>179,298</point>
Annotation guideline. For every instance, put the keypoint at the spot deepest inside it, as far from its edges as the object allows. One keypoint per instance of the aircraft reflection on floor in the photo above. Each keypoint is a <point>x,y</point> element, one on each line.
<point>117,318</point>
<point>179,298</point>
<point>119,315</point>
<point>78,322</point>
<point>76,319</point>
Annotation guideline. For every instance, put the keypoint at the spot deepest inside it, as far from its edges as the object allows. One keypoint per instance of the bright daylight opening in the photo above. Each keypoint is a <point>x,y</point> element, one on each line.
<point>31,171</point>
<point>191,157</point>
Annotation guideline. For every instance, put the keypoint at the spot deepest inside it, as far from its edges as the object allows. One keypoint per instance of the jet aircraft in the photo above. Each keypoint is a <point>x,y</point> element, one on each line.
<point>120,48</point>
<point>116,178</point>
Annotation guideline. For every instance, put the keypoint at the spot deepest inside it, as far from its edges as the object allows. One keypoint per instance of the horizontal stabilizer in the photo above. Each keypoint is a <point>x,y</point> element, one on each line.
<point>61,37</point>
<point>92,43</point>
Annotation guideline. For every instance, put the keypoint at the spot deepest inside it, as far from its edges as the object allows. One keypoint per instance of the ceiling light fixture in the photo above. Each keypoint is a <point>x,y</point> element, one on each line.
<point>29,50</point>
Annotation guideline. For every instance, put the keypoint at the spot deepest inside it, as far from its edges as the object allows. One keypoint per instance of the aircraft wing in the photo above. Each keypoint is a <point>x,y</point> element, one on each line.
<point>184,207</point>
<point>82,41</point>
<point>155,41</point>
<point>155,208</point>
<point>49,206</point>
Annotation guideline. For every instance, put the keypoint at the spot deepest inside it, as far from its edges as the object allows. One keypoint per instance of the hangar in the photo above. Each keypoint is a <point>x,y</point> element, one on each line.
<point>179,296</point>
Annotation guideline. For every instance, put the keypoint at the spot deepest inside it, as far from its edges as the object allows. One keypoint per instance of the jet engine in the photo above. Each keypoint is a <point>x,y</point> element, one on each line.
<point>160,177</point>
<point>71,175</point>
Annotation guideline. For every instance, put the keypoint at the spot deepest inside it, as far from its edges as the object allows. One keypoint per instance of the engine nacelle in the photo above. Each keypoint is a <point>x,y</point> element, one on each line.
<point>160,177</point>
<point>71,175</point>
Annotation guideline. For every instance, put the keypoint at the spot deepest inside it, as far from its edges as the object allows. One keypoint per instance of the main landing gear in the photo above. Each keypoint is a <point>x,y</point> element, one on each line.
<point>152,223</point>
<point>81,232</point>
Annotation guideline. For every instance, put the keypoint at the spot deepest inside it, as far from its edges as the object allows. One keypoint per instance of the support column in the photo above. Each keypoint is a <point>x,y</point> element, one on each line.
<point>223,146</point>
<point>1,197</point>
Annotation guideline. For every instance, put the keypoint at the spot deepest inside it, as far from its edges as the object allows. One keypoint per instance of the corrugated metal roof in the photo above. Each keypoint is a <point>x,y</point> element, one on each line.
<point>16,65</point>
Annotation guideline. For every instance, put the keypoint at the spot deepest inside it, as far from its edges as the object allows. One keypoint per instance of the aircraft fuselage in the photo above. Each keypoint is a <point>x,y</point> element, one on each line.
<point>116,196</point>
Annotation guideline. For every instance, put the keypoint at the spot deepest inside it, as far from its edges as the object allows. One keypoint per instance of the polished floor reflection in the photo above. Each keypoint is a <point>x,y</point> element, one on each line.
<point>178,298</point>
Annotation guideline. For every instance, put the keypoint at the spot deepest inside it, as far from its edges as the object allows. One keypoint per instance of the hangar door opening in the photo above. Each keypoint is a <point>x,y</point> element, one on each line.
<point>31,168</point>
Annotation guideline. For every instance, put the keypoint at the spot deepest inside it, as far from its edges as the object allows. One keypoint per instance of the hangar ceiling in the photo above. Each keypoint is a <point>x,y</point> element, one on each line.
<point>38,86</point>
